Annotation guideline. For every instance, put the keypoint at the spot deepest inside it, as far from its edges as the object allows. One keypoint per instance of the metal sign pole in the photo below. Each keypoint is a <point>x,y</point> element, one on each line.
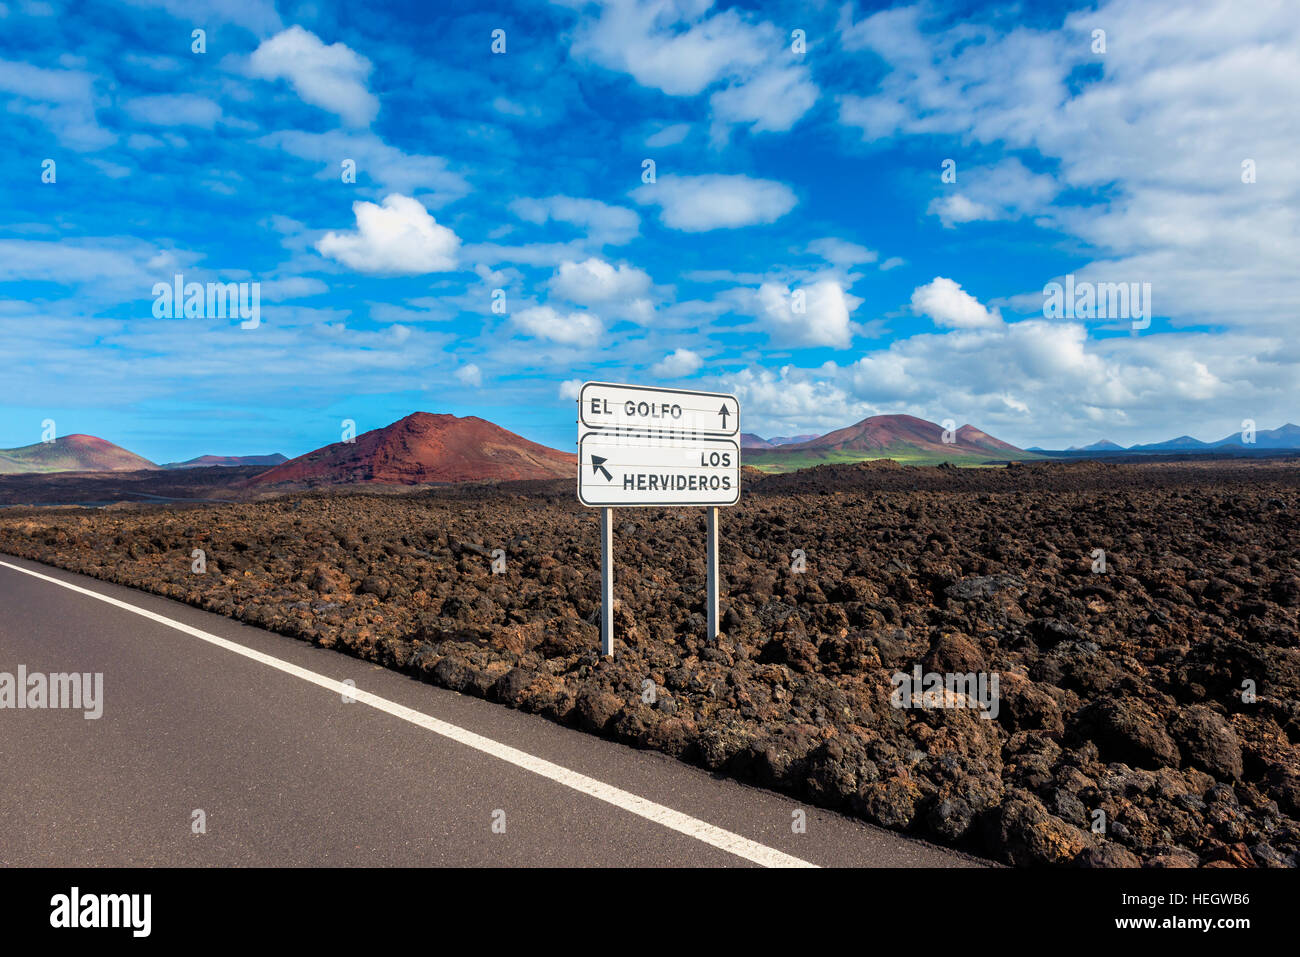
<point>607,582</point>
<point>712,573</point>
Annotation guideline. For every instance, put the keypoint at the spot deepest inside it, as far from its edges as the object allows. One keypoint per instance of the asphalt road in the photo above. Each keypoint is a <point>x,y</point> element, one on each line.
<point>252,728</point>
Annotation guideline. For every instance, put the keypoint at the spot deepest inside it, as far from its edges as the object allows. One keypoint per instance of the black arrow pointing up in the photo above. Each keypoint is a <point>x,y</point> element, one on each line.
<point>724,413</point>
<point>598,465</point>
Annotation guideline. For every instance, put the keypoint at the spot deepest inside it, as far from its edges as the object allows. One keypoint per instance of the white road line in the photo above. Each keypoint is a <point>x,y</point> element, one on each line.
<point>634,804</point>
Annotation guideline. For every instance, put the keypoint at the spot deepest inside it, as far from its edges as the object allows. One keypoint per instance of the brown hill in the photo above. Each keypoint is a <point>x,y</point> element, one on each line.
<point>71,453</point>
<point>426,448</point>
<point>897,432</point>
<point>969,435</point>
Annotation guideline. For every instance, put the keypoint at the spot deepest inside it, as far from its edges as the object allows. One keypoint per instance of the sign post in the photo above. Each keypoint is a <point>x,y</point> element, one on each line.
<point>711,574</point>
<point>607,582</point>
<point>641,446</point>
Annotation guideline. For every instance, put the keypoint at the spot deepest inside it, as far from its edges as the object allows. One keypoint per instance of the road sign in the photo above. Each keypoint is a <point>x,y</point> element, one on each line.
<point>623,468</point>
<point>608,405</point>
<point>646,445</point>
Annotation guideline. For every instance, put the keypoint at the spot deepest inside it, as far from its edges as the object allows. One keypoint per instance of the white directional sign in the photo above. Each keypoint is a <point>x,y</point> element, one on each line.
<point>618,468</point>
<point>607,405</point>
<point>645,445</point>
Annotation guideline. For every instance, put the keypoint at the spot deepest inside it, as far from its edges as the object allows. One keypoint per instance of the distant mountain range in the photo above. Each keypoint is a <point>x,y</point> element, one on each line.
<point>231,461</point>
<point>748,440</point>
<point>425,448</point>
<point>1283,437</point>
<point>87,453</point>
<point>1105,445</point>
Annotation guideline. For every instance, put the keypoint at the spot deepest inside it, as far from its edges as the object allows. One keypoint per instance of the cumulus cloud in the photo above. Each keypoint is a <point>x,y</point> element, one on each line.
<point>657,44</point>
<point>605,224</point>
<point>1167,216</point>
<point>1038,382</point>
<point>696,204</point>
<point>332,77</point>
<point>959,208</point>
<point>677,364</point>
<point>1006,190</point>
<point>839,252</point>
<point>545,322</point>
<point>679,47</point>
<point>570,389</point>
<point>596,281</point>
<point>773,101</point>
<point>813,315</point>
<point>399,237</point>
<point>469,374</point>
<point>791,401</point>
<point>945,302</point>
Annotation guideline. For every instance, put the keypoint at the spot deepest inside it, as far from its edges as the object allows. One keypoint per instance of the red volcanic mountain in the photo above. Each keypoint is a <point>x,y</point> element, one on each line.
<point>71,453</point>
<point>898,432</point>
<point>968,435</point>
<point>426,448</point>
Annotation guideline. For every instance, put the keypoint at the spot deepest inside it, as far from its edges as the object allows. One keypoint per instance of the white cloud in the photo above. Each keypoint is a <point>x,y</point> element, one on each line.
<point>698,203</point>
<point>524,254</point>
<point>945,302</point>
<point>399,237</point>
<point>773,101</point>
<point>1169,216</point>
<point>1005,190</point>
<point>93,262</point>
<point>64,100</point>
<point>816,314</point>
<point>377,162</point>
<point>956,208</point>
<point>469,374</point>
<point>677,364</point>
<point>839,252</point>
<point>596,281</point>
<point>671,45</point>
<point>544,322</point>
<point>793,401</point>
<point>605,224</point>
<point>1039,382</point>
<point>571,389</point>
<point>652,41</point>
<point>332,77</point>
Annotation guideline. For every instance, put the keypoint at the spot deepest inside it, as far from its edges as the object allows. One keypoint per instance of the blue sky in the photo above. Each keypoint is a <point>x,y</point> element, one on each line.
<point>798,245</point>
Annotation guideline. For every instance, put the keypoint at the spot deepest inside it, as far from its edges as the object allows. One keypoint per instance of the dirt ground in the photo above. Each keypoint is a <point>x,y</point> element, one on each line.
<point>1147,713</point>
